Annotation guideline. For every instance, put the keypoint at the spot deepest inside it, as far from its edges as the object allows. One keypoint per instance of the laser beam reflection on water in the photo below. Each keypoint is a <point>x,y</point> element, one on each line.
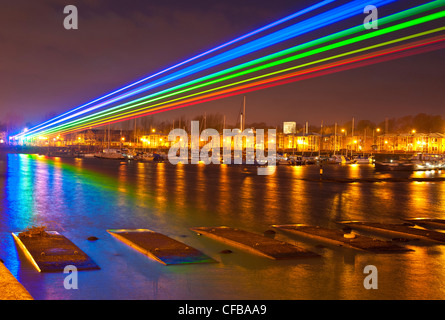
<point>85,197</point>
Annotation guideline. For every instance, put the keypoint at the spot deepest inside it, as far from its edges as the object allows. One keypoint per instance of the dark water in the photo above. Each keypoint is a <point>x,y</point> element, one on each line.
<point>84,197</point>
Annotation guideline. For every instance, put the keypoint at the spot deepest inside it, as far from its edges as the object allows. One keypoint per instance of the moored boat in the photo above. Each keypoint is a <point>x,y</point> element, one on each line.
<point>144,157</point>
<point>110,154</point>
<point>423,162</point>
<point>394,165</point>
<point>362,160</point>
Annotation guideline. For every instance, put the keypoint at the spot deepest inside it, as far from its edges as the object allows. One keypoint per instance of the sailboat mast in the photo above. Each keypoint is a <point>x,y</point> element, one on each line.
<point>335,138</point>
<point>108,136</point>
<point>244,114</point>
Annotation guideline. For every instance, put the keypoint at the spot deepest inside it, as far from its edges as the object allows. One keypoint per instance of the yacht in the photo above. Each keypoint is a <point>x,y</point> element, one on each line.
<point>110,154</point>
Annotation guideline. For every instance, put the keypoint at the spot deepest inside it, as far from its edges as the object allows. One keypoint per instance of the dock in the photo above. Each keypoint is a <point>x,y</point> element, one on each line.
<point>402,230</point>
<point>340,238</point>
<point>160,247</point>
<point>52,252</point>
<point>255,243</point>
<point>10,288</point>
<point>428,223</point>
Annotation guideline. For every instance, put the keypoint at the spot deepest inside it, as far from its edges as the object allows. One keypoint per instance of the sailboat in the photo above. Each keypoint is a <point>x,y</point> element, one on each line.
<point>109,153</point>
<point>362,160</point>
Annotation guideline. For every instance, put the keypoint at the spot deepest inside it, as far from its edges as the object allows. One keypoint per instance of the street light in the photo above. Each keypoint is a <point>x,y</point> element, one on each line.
<point>373,138</point>
<point>346,134</point>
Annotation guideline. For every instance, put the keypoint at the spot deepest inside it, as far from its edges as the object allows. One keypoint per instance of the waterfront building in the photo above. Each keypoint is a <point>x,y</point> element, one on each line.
<point>414,142</point>
<point>287,141</point>
<point>154,140</point>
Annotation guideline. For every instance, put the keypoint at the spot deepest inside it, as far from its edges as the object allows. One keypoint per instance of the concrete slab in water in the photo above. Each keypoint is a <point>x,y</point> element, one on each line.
<point>160,247</point>
<point>255,243</point>
<point>52,252</point>
<point>397,230</point>
<point>341,238</point>
<point>428,223</point>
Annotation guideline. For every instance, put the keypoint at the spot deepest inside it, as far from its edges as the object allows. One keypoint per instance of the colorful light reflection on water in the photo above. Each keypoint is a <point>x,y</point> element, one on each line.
<point>84,197</point>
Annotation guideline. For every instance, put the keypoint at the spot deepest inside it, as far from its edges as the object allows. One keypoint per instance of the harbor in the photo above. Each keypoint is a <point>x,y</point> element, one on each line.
<point>380,161</point>
<point>222,158</point>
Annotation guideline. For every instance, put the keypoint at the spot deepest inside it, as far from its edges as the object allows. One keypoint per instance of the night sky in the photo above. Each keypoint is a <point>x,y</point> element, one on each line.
<point>46,69</point>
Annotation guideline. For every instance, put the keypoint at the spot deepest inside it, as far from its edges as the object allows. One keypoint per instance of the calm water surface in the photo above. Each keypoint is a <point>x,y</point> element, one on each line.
<point>84,197</point>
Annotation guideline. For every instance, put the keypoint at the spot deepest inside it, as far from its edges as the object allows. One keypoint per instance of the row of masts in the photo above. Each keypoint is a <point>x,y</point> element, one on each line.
<point>242,125</point>
<point>242,120</point>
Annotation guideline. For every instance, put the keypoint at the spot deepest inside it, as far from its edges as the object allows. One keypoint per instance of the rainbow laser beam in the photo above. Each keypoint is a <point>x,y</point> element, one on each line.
<point>330,47</point>
<point>278,81</point>
<point>245,36</point>
<point>398,55</point>
<point>145,112</point>
<point>319,71</point>
<point>335,36</point>
<point>310,24</point>
<point>394,28</point>
<point>246,86</point>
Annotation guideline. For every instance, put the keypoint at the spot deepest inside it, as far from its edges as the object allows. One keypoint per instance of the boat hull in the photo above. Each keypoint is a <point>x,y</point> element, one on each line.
<point>394,166</point>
